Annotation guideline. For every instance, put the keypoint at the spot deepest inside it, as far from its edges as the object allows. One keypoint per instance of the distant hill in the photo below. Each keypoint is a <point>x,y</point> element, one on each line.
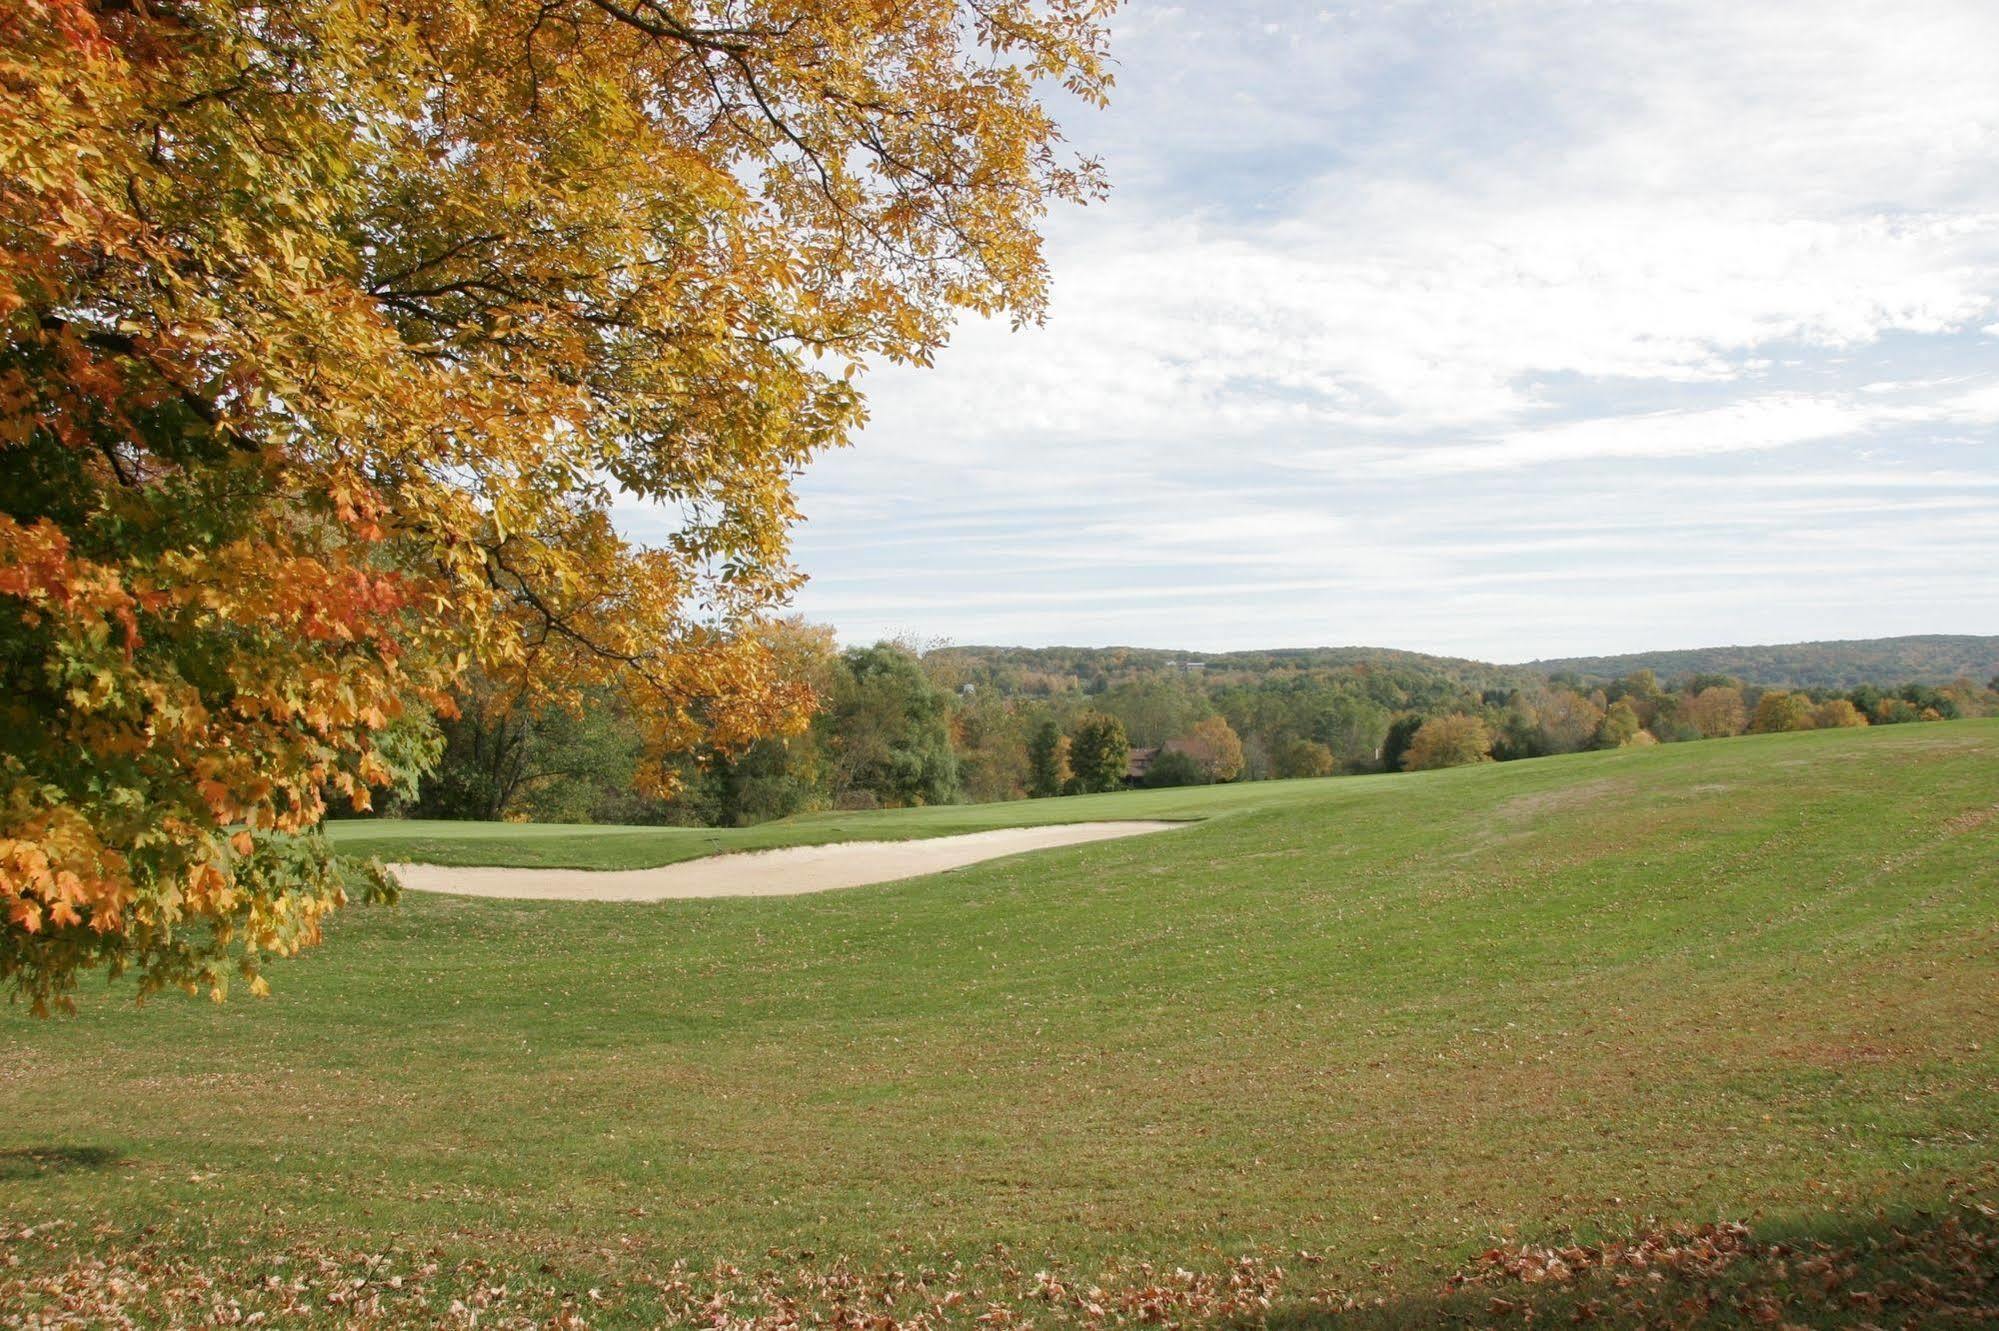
<point>1929,658</point>
<point>1925,658</point>
<point>1031,669</point>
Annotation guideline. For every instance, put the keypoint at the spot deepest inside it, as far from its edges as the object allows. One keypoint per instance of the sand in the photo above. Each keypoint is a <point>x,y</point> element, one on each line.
<point>764,873</point>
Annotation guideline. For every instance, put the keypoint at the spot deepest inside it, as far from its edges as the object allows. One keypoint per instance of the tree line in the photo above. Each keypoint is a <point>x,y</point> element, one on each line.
<point>1922,658</point>
<point>898,725</point>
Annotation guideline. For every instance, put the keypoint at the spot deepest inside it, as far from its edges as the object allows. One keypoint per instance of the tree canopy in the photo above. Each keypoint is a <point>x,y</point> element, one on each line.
<point>1098,753</point>
<point>1448,741</point>
<point>333,330</point>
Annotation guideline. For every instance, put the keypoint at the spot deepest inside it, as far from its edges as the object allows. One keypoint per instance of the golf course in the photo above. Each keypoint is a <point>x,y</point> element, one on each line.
<point>1696,1034</point>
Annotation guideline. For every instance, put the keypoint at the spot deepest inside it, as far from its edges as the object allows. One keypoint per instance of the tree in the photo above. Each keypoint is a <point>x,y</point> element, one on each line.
<point>1175,768</point>
<point>1895,712</point>
<point>1214,744</point>
<point>1619,727</point>
<point>772,778</point>
<point>1303,757</point>
<point>1641,684</point>
<point>1154,709</point>
<point>498,755</point>
<point>886,730</point>
<point>1928,698</point>
<point>333,330</point>
<point>1047,760</point>
<point>1838,714</point>
<point>1669,720</point>
<point>1569,722</point>
<point>1448,741</point>
<point>1395,743</point>
<point>1716,711</point>
<point>1355,729</point>
<point>1098,753</point>
<point>992,755</point>
<point>1778,711</point>
<point>1516,730</point>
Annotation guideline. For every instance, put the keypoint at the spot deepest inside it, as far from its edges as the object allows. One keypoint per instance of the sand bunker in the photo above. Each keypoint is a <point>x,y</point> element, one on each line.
<point>764,873</point>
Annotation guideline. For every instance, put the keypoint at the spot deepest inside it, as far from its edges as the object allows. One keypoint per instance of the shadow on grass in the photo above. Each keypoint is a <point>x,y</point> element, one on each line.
<point>25,1162</point>
<point>1912,1268</point>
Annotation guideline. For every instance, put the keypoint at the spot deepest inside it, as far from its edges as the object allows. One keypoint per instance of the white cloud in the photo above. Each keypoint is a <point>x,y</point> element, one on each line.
<point>1376,279</point>
<point>1751,425</point>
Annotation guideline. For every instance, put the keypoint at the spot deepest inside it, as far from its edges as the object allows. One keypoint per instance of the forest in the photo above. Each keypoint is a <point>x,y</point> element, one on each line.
<point>900,724</point>
<point>1932,658</point>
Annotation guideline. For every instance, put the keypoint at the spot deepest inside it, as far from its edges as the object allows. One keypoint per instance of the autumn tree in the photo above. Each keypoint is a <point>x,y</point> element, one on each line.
<point>1620,725</point>
<point>1448,741</point>
<point>1891,711</point>
<point>1669,719</point>
<point>779,775</point>
<point>1568,721</point>
<point>1214,744</point>
<point>1838,714</point>
<point>1303,757</point>
<point>1047,759</point>
<point>1779,710</point>
<point>1716,711</point>
<point>1640,686</point>
<point>334,328</point>
<point>1098,753</point>
<point>1396,740</point>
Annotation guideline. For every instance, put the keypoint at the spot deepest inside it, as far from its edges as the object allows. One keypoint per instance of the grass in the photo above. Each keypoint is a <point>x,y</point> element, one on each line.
<point>1362,1030</point>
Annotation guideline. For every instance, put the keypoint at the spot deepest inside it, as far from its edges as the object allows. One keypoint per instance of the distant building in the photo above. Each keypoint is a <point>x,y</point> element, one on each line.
<point>1137,764</point>
<point>1139,761</point>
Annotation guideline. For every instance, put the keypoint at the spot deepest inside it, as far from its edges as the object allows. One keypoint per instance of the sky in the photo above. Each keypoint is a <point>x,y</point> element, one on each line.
<point>1504,330</point>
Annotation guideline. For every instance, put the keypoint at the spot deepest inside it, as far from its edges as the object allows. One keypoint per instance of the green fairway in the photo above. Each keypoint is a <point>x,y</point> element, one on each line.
<point>1357,1030</point>
<point>587,846</point>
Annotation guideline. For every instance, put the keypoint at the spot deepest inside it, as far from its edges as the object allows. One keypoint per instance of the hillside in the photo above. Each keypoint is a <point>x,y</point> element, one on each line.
<point>1936,658</point>
<point>1014,670</point>
<point>1885,662</point>
<point>1347,1040</point>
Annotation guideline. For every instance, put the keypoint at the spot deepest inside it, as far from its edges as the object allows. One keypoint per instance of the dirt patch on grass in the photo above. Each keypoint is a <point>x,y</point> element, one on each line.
<point>765,873</point>
<point>1970,820</point>
<point>1515,819</point>
<point>1523,808</point>
<point>1962,824</point>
